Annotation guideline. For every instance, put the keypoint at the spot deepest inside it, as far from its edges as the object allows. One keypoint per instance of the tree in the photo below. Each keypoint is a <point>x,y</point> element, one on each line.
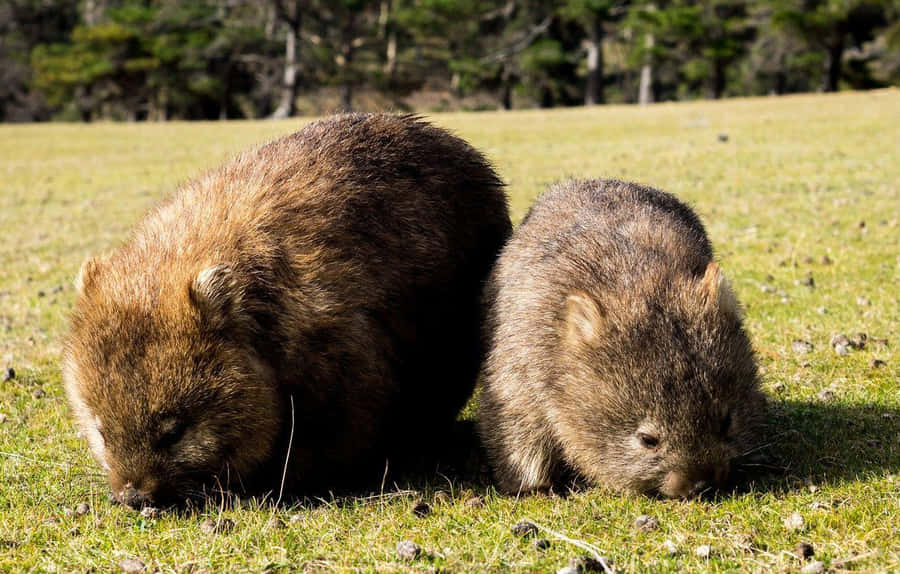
<point>644,22</point>
<point>290,15</point>
<point>25,25</point>
<point>594,16</point>
<point>778,61</point>
<point>831,25</point>
<point>700,40</point>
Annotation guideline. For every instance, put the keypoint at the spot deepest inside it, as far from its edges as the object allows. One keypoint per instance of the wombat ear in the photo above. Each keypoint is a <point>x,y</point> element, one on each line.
<point>584,318</point>
<point>714,287</point>
<point>86,275</point>
<point>216,293</point>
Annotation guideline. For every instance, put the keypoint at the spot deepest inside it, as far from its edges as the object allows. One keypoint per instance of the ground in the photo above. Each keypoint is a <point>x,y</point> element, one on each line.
<point>801,197</point>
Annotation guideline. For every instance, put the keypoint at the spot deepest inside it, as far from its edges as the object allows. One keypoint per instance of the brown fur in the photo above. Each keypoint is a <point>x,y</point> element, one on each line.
<point>608,321</point>
<point>335,272</point>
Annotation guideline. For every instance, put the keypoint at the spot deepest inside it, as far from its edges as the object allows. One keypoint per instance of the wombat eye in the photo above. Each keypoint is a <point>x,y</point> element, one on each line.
<point>171,432</point>
<point>648,441</point>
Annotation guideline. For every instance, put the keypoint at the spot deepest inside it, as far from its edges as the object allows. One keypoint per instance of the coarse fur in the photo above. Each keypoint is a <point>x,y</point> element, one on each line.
<point>616,350</point>
<point>334,274</point>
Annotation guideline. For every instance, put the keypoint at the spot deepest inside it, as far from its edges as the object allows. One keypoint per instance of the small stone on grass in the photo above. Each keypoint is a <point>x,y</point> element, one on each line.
<point>801,347</point>
<point>590,564</point>
<point>39,393</point>
<point>841,344</point>
<point>132,566</point>
<point>408,550</point>
<point>441,497</point>
<point>805,550</point>
<point>863,301</point>
<point>794,522</point>
<point>876,363</point>
<point>150,512</point>
<point>524,528</point>
<point>8,374</point>
<point>703,551</point>
<point>421,509</point>
<point>825,395</point>
<point>220,526</point>
<point>814,567</point>
<point>275,523</point>
<point>474,502</point>
<point>671,548</point>
<point>646,523</point>
<point>3,418</point>
<point>82,509</point>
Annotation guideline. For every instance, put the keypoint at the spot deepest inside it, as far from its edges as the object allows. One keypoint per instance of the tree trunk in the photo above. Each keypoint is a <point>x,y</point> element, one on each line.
<point>835,57</point>
<point>387,32</point>
<point>84,103</point>
<point>390,65</point>
<point>505,89</point>
<point>717,86</point>
<point>159,110</point>
<point>289,87</point>
<point>594,92</point>
<point>780,82</point>
<point>346,62</point>
<point>225,96</point>
<point>645,91</point>
<point>93,11</point>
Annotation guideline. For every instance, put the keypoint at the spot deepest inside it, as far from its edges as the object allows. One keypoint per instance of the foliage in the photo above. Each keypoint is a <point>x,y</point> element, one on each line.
<point>161,59</point>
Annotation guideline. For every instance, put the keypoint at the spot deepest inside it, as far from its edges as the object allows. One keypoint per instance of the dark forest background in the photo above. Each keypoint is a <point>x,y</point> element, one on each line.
<point>164,59</point>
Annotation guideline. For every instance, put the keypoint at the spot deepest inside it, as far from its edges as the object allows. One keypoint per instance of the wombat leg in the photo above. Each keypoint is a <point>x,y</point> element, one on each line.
<point>523,461</point>
<point>519,443</point>
<point>528,469</point>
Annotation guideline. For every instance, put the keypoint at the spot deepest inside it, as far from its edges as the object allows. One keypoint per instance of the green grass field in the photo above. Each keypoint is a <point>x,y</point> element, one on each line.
<point>803,187</point>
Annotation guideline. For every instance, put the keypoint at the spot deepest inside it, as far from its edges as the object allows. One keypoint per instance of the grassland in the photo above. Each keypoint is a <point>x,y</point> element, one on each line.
<point>803,187</point>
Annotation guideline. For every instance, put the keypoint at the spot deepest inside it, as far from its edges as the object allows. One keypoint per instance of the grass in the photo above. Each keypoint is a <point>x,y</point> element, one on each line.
<point>799,179</point>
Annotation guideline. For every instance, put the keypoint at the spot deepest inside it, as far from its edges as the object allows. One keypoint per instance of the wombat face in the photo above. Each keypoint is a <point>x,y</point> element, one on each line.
<point>168,401</point>
<point>661,391</point>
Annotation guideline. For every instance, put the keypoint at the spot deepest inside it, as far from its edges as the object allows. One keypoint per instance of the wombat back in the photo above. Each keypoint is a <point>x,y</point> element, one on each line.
<point>616,347</point>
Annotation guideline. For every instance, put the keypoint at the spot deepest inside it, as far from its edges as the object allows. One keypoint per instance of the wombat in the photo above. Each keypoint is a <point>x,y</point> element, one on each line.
<point>616,350</point>
<point>289,315</point>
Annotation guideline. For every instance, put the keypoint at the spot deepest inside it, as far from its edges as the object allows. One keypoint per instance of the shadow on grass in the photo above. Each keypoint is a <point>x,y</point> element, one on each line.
<point>817,443</point>
<point>827,443</point>
<point>807,442</point>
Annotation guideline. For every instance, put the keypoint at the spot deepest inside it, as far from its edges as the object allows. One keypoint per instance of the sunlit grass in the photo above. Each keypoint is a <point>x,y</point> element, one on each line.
<point>803,185</point>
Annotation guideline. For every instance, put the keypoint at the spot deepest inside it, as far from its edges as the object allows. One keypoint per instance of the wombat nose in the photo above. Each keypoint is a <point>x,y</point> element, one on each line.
<point>691,484</point>
<point>132,497</point>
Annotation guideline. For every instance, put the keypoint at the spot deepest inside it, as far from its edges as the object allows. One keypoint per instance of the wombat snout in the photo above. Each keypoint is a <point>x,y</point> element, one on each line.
<point>694,482</point>
<point>139,494</point>
<point>130,496</point>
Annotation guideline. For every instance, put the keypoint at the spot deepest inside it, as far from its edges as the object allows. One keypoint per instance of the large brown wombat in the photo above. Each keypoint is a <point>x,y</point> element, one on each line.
<point>616,348</point>
<point>321,291</point>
